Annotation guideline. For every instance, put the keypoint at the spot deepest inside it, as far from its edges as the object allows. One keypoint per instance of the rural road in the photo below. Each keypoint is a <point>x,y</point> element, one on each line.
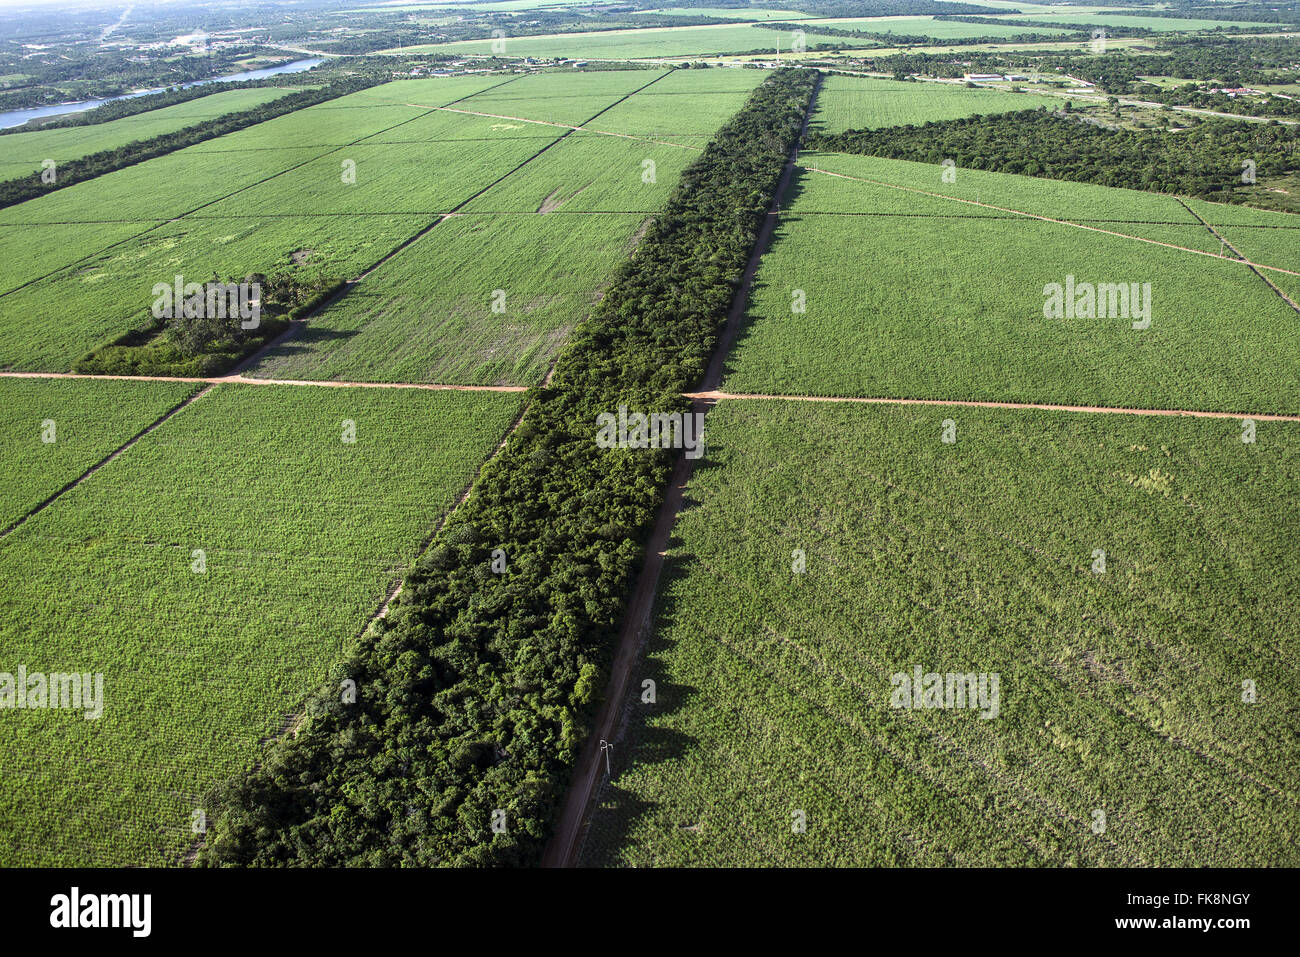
<point>236,378</point>
<point>713,396</point>
<point>566,840</point>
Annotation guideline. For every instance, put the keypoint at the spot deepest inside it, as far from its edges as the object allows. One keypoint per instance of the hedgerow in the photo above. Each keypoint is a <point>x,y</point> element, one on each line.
<point>474,694</point>
<point>16,191</point>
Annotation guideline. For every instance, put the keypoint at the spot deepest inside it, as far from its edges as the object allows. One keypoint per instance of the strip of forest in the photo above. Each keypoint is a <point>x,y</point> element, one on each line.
<point>473,696</point>
<point>1204,160</point>
<point>76,171</point>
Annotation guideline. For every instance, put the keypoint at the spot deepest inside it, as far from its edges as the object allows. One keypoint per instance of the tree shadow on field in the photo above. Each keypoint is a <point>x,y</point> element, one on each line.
<point>780,234</point>
<point>647,738</point>
<point>305,340</point>
<point>798,182</point>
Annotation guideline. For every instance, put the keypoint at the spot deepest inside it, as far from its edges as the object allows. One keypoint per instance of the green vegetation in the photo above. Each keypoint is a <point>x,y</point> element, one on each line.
<point>215,339</point>
<point>1155,24</point>
<point>686,107</point>
<point>854,103</point>
<point>30,149</point>
<point>427,315</point>
<point>89,166</point>
<point>233,215</point>
<point>562,97</point>
<point>1204,161</point>
<point>591,173</point>
<point>1120,692</point>
<point>475,691</point>
<point>111,289</point>
<point>302,536</point>
<point>923,301</point>
<point>56,429</point>
<point>646,43</point>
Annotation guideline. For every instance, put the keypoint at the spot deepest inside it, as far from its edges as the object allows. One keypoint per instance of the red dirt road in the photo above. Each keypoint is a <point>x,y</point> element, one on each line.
<point>566,840</point>
<point>715,396</point>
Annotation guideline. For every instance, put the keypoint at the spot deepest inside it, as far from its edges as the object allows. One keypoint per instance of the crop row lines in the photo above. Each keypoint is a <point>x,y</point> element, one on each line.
<point>718,395</point>
<point>1049,219</point>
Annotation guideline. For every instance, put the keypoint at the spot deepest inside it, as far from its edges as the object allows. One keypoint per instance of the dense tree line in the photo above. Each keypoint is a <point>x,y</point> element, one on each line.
<point>891,39</point>
<point>1205,160</point>
<point>106,161</point>
<point>832,9</point>
<point>1286,12</point>
<point>475,693</point>
<point>1242,62</point>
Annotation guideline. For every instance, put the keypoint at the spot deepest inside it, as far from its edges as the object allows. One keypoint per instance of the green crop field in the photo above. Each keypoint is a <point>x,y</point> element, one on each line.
<point>855,103</point>
<point>588,172</point>
<point>925,27</point>
<point>162,188</point>
<point>54,430</point>
<point>31,149</point>
<point>870,184</point>
<point>302,535</point>
<point>650,43</point>
<point>282,201</point>
<point>416,178</point>
<point>909,302</point>
<point>450,251</point>
<point>732,13</point>
<point>1120,693</point>
<point>246,208</point>
<point>562,97</point>
<point>33,251</point>
<point>685,107</point>
<point>427,314</point>
<point>113,288</point>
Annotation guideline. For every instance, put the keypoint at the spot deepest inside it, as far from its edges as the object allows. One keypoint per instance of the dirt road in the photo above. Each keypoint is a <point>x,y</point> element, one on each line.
<point>567,838</point>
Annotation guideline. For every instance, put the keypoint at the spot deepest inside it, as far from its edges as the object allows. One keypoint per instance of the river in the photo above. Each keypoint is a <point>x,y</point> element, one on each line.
<point>19,117</point>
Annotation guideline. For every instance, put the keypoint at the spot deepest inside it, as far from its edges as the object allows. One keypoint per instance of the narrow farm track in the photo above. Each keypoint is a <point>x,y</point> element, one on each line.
<point>41,506</point>
<point>1049,219</point>
<point>717,396</point>
<point>1221,238</point>
<point>347,287</point>
<point>180,216</point>
<point>567,837</point>
<point>563,126</point>
<point>235,378</point>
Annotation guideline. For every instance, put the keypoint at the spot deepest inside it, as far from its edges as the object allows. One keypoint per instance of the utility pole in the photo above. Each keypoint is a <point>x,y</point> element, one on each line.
<point>606,747</point>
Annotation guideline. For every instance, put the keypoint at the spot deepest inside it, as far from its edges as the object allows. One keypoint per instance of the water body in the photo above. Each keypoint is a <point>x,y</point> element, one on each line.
<point>19,117</point>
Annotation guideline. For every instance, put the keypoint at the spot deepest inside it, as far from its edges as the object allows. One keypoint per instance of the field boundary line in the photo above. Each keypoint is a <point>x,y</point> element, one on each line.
<point>571,826</point>
<point>566,126</point>
<point>181,216</point>
<point>293,721</point>
<point>235,378</point>
<point>348,285</point>
<point>715,395</point>
<point>1223,239</point>
<point>50,500</point>
<point>1049,219</point>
